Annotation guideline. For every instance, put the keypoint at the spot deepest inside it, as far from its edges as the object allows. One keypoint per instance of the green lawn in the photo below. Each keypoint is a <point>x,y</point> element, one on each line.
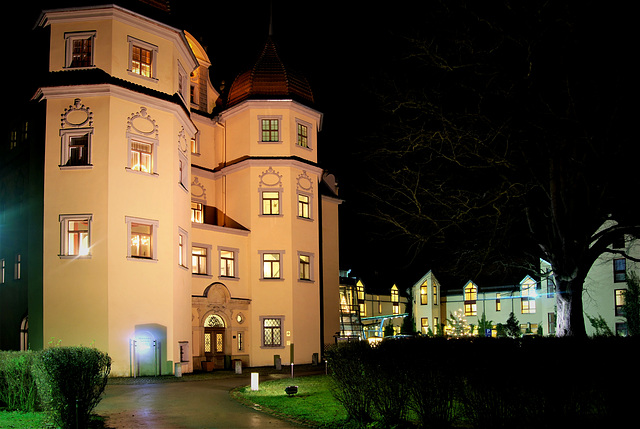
<point>313,404</point>
<point>18,420</point>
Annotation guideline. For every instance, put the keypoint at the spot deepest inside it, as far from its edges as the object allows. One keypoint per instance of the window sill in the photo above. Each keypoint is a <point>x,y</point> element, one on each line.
<point>138,75</point>
<point>229,278</point>
<point>76,167</point>
<point>306,281</point>
<point>307,219</point>
<point>269,279</point>
<point>142,173</point>
<point>202,275</point>
<point>273,142</point>
<point>141,258</point>
<point>74,256</point>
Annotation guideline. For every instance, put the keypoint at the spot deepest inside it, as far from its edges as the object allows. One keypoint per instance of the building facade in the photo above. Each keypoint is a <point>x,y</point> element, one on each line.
<point>532,301</point>
<point>180,226</point>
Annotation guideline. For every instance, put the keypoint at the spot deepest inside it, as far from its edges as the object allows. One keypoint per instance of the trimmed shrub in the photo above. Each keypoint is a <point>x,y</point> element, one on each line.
<point>18,391</point>
<point>71,381</point>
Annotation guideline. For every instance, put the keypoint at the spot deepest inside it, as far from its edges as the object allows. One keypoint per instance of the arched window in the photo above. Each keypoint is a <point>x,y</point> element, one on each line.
<point>24,333</point>
<point>470,300</point>
<point>214,321</point>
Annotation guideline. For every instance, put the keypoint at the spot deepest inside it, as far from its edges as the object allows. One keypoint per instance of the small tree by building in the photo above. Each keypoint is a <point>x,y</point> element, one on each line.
<point>513,326</point>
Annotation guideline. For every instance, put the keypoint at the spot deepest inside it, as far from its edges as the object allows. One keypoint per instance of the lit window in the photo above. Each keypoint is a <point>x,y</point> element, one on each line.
<point>142,58</point>
<point>142,238</point>
<point>424,325</point>
<point>619,270</point>
<point>619,302</point>
<point>183,171</point>
<point>435,294</point>
<point>194,145</point>
<point>199,260</point>
<point>75,238</point>
<point>470,300</point>
<point>305,267</point>
<point>424,294</point>
<point>303,139</point>
<point>498,303</point>
<point>270,203</point>
<point>270,132</point>
<point>2,270</point>
<point>76,147</point>
<point>227,263</point>
<point>79,49</point>
<point>141,156</point>
<point>272,332</point>
<point>528,300</point>
<point>395,299</point>
<point>303,206</point>
<point>197,214</point>
<point>271,266</point>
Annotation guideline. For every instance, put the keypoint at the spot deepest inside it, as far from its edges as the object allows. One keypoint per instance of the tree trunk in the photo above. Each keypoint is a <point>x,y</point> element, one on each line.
<point>570,314</point>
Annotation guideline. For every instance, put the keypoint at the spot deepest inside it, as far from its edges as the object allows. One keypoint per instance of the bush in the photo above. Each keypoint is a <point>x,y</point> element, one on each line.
<point>18,390</point>
<point>351,384</point>
<point>70,381</point>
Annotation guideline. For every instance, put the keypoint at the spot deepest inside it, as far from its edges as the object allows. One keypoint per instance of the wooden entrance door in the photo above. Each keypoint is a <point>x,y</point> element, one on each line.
<point>214,346</point>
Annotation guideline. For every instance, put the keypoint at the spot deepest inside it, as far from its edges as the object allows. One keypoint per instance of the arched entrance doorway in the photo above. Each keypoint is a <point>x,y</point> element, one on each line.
<point>214,340</point>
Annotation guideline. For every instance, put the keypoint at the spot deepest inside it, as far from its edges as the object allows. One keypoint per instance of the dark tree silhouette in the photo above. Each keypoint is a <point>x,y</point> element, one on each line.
<point>507,137</point>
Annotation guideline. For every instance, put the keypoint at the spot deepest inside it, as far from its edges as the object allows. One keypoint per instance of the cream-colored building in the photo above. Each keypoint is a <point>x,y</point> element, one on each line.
<point>532,301</point>
<point>181,226</point>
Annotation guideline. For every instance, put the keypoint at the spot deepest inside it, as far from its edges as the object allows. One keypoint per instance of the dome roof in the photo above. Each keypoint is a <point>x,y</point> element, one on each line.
<point>269,79</point>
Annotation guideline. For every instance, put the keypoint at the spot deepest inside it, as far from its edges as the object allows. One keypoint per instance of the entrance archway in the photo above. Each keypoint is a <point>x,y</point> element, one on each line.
<point>214,340</point>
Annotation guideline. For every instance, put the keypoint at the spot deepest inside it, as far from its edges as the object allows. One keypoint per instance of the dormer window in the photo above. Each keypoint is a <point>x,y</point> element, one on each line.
<point>79,49</point>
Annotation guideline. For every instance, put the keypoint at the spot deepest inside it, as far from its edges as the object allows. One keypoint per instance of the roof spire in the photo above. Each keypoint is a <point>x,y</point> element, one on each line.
<point>271,18</point>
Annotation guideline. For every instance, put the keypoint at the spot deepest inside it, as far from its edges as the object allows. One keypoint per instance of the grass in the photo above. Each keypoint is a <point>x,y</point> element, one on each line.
<point>19,420</point>
<point>313,404</point>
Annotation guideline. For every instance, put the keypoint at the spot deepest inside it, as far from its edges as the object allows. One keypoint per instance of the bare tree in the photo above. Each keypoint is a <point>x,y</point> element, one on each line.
<point>507,139</point>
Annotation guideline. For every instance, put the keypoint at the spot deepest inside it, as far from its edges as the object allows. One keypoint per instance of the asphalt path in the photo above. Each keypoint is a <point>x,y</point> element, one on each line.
<point>183,404</point>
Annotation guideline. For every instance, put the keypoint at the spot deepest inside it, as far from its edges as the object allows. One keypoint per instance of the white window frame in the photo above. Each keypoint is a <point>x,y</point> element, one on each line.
<point>280,254</point>
<point>131,138</point>
<point>183,171</point>
<point>261,192</point>
<point>308,126</point>
<point>207,264</point>
<point>132,41</point>
<point>154,224</point>
<point>235,262</point>
<point>3,267</point>
<point>70,38</point>
<point>17,267</point>
<point>311,257</point>
<point>64,235</point>
<point>198,209</point>
<point>183,84</point>
<point>66,137</point>
<point>270,118</point>
<point>183,248</point>
<point>309,205</point>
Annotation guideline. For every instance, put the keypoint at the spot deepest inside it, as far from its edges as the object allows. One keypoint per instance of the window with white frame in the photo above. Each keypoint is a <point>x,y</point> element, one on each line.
<point>79,49</point>
<point>303,136</point>
<point>470,300</point>
<point>143,57</point>
<point>2,270</point>
<point>75,147</point>
<point>183,245</point>
<point>270,130</point>
<point>619,270</point>
<point>270,203</point>
<point>75,235</point>
<point>141,156</point>
<point>305,270</point>
<point>424,294</point>
<point>271,265</point>
<point>197,212</point>
<point>228,259</point>
<point>200,259</point>
<point>272,331</point>
<point>304,206</point>
<point>142,235</point>
<point>183,171</point>
<point>528,300</point>
<point>183,83</point>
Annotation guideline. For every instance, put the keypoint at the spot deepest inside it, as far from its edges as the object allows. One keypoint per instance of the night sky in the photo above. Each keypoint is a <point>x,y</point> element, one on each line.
<point>343,48</point>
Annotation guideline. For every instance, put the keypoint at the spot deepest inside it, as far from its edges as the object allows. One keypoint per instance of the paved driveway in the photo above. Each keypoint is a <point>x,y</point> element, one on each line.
<point>182,404</point>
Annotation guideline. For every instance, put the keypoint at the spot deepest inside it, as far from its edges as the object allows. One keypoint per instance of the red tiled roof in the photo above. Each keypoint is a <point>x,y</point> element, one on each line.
<point>269,79</point>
